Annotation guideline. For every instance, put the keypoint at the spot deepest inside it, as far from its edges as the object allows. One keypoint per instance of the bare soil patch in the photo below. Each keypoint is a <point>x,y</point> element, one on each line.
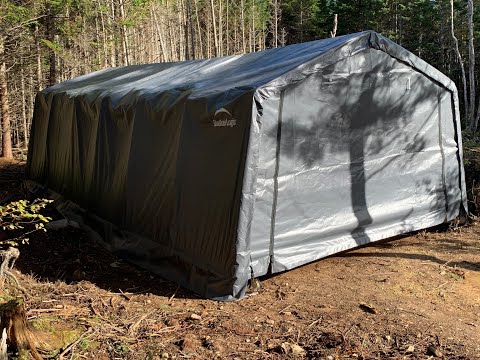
<point>415,297</point>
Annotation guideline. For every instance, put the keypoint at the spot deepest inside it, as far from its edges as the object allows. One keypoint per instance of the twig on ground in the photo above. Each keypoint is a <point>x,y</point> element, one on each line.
<point>162,331</point>
<point>174,293</point>
<point>73,344</point>
<point>315,322</point>
<point>285,308</point>
<point>133,327</point>
<point>344,335</point>
<point>125,295</point>
<point>412,312</point>
<point>444,265</point>
<point>31,311</point>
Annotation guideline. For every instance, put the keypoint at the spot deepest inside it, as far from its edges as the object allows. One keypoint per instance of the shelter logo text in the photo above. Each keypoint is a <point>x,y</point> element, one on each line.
<point>223,118</point>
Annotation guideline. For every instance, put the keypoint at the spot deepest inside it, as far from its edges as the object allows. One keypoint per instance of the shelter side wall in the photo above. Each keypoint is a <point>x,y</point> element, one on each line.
<point>367,151</point>
<point>162,176</point>
<point>81,150</point>
<point>186,198</point>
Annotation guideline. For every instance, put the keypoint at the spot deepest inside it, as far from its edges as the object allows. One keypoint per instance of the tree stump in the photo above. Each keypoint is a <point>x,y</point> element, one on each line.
<point>19,334</point>
<point>3,346</point>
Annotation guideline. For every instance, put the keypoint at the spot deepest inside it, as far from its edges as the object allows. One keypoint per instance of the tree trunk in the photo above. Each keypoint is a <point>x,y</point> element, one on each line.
<point>209,41</point>
<point>235,35</point>
<point>200,44</point>
<point>104,35</point>
<point>254,31</point>
<point>275,22</point>
<point>126,59</point>
<point>184,24</point>
<point>215,35</point>
<point>471,67</point>
<point>460,60</point>
<point>242,14</point>
<point>31,101</point>
<point>191,29</point>
<point>333,33</point>
<point>180,31</point>
<point>159,33</point>
<point>39,60</point>
<point>24,108</point>
<point>227,32</point>
<point>301,22</point>
<point>220,28</point>
<point>52,75</point>
<point>4,108</point>
<point>112,26</point>
<point>173,52</point>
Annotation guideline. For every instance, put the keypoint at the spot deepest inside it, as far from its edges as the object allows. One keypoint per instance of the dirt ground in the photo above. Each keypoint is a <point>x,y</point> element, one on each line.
<point>415,297</point>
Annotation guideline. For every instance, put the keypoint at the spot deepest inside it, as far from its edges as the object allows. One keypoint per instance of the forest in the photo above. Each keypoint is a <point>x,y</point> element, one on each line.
<point>43,42</point>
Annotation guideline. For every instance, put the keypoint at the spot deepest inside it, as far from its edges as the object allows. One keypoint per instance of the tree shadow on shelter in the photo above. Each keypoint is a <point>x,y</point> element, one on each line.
<point>367,126</point>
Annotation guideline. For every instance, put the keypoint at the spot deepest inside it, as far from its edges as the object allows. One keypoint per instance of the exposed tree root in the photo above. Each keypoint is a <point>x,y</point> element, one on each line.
<point>9,257</point>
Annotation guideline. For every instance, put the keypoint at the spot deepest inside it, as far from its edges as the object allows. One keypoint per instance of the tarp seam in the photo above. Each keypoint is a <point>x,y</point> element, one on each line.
<point>275,177</point>
<point>442,152</point>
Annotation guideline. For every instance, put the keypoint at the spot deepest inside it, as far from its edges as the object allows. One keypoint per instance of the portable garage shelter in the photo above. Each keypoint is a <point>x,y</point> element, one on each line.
<point>209,172</point>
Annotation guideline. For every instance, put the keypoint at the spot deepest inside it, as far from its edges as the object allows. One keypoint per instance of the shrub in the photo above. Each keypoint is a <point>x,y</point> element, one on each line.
<point>22,218</point>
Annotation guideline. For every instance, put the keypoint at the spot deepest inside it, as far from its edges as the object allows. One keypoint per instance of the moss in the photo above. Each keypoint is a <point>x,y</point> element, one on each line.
<point>121,348</point>
<point>69,336</point>
<point>23,355</point>
<point>44,323</point>
<point>86,345</point>
<point>6,298</point>
<point>58,336</point>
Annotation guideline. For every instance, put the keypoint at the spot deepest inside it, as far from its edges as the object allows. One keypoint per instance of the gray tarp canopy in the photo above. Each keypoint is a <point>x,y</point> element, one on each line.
<point>209,172</point>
